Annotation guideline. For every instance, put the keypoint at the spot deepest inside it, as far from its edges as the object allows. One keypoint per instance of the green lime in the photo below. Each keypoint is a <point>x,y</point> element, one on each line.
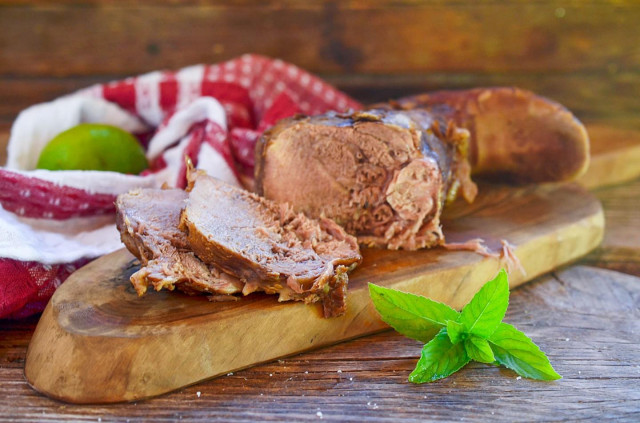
<point>92,146</point>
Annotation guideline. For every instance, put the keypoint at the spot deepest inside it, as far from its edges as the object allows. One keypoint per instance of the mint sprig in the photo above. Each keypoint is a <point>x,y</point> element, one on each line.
<point>453,339</point>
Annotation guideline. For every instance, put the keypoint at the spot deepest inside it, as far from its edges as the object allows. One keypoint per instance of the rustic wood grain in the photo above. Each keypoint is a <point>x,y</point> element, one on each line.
<point>587,320</point>
<point>380,37</point>
<point>4,140</point>
<point>584,55</point>
<point>620,249</point>
<point>166,340</point>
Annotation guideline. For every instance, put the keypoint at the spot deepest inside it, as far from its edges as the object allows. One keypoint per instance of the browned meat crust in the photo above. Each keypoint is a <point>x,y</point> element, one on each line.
<point>148,223</point>
<point>268,246</point>
<point>516,135</point>
<point>383,175</point>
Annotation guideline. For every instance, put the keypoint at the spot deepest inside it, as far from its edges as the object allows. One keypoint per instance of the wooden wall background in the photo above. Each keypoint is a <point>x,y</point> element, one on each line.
<point>586,54</point>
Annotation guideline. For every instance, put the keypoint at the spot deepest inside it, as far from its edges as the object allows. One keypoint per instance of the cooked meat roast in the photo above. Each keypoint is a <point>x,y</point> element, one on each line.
<point>383,175</point>
<point>148,223</point>
<point>268,246</point>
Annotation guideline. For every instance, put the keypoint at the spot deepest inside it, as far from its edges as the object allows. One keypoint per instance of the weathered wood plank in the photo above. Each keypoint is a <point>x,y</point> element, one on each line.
<point>378,37</point>
<point>620,248</point>
<point>4,140</point>
<point>586,319</point>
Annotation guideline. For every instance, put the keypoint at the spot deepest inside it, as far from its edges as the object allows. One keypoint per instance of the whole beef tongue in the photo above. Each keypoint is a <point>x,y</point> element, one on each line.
<point>268,246</point>
<point>384,175</point>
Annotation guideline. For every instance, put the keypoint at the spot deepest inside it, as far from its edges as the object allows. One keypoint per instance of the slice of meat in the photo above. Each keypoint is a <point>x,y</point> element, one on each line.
<point>516,135</point>
<point>383,175</point>
<point>267,245</point>
<point>148,223</point>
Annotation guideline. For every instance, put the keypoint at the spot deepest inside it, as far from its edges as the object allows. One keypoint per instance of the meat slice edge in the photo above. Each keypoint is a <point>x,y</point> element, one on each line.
<point>267,245</point>
<point>148,222</point>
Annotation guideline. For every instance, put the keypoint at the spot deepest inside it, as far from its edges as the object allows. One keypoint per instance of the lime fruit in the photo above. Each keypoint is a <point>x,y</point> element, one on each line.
<point>91,146</point>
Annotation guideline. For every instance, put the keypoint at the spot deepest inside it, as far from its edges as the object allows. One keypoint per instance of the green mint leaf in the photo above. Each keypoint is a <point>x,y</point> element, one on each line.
<point>456,331</point>
<point>514,349</point>
<point>456,338</point>
<point>478,349</point>
<point>412,315</point>
<point>439,359</point>
<point>487,308</point>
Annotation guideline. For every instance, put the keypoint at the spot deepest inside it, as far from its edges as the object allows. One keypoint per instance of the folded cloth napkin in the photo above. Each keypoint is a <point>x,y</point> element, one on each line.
<point>53,222</point>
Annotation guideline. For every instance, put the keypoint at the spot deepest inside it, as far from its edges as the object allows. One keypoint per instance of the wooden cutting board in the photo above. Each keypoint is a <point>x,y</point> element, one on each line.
<point>97,342</point>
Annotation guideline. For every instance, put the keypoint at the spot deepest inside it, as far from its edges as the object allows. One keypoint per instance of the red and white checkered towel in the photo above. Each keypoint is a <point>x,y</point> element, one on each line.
<point>53,222</point>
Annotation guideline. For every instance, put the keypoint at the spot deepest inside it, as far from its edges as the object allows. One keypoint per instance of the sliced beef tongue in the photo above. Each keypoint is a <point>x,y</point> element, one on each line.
<point>268,246</point>
<point>384,175</point>
<point>148,223</point>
